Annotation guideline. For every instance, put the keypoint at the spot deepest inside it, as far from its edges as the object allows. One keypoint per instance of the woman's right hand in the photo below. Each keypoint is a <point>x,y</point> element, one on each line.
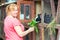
<point>31,29</point>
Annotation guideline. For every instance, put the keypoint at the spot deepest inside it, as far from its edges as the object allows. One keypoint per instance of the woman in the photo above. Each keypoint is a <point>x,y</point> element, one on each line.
<point>13,28</point>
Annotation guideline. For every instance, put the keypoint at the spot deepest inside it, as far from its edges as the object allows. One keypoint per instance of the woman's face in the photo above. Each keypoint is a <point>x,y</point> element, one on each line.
<point>14,12</point>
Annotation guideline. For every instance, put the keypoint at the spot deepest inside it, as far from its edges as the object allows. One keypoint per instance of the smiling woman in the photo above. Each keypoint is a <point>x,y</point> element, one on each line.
<point>12,9</point>
<point>13,28</point>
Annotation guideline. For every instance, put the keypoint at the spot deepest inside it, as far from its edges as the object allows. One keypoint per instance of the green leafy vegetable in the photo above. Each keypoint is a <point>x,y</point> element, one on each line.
<point>33,23</point>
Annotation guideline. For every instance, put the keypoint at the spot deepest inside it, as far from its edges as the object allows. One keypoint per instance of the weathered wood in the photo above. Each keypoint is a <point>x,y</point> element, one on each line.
<point>34,35</point>
<point>52,8</point>
<point>58,14</point>
<point>40,25</point>
<point>41,31</point>
<point>53,15</point>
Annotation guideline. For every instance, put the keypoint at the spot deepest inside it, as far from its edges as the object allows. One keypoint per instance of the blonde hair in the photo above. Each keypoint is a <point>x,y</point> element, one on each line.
<point>10,7</point>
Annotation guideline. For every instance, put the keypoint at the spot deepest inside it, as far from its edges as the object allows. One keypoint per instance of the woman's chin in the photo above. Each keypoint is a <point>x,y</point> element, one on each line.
<point>15,16</point>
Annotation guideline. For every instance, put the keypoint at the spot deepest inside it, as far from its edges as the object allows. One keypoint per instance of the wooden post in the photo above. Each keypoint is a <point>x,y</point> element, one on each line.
<point>53,15</point>
<point>34,35</point>
<point>52,8</point>
<point>40,25</point>
<point>58,15</point>
<point>58,12</point>
<point>41,31</point>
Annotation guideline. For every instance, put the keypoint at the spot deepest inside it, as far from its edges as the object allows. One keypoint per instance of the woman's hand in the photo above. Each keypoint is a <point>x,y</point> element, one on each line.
<point>31,29</point>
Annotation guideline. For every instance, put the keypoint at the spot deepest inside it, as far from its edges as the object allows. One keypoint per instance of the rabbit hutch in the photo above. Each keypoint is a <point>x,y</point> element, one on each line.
<point>30,9</point>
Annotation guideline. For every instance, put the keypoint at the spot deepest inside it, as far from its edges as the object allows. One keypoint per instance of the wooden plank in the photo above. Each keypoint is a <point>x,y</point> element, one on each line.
<point>53,15</point>
<point>52,8</point>
<point>58,14</point>
<point>41,31</point>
